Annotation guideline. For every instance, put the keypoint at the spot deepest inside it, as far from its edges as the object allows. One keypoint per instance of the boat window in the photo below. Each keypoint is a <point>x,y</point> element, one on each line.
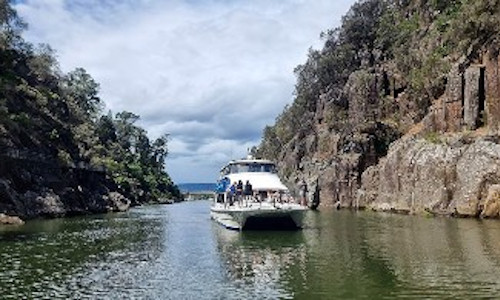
<point>249,167</point>
<point>269,168</point>
<point>243,168</point>
<point>255,167</point>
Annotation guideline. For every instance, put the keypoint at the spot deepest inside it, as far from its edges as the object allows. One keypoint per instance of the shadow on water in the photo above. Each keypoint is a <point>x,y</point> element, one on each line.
<point>280,223</point>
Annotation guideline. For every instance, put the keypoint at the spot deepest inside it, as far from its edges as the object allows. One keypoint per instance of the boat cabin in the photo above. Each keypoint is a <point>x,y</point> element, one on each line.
<point>249,166</point>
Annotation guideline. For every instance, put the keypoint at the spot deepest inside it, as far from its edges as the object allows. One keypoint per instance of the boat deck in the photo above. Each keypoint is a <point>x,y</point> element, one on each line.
<point>256,215</point>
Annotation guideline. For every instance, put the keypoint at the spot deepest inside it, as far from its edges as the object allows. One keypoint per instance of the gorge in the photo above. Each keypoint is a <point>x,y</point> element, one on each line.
<point>399,111</point>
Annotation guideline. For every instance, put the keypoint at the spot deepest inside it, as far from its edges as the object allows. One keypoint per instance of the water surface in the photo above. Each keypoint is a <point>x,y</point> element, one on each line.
<point>176,252</point>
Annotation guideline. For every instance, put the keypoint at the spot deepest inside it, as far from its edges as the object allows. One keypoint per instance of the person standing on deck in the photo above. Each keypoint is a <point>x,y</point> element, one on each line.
<point>232,193</point>
<point>248,190</point>
<point>303,192</point>
<point>239,191</point>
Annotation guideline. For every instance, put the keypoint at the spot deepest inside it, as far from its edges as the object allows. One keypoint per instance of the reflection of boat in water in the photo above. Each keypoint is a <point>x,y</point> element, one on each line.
<point>250,195</point>
<point>262,263</point>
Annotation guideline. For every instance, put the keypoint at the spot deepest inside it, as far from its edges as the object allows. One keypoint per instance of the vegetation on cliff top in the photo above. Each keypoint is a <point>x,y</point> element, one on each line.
<point>408,45</point>
<point>45,113</point>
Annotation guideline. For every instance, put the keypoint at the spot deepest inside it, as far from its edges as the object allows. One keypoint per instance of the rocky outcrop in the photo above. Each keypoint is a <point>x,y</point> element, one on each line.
<point>446,173</point>
<point>117,201</point>
<point>333,174</point>
<point>456,175</point>
<point>492,203</point>
<point>31,188</point>
<point>10,220</point>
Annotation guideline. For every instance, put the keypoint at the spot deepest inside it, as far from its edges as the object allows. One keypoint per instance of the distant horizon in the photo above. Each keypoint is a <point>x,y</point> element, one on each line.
<point>196,187</point>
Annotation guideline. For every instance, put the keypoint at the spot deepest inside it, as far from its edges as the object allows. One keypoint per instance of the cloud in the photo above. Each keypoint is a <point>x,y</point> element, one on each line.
<point>211,73</point>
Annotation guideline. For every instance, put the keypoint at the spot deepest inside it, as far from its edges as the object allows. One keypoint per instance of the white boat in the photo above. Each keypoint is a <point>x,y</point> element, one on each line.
<point>268,206</point>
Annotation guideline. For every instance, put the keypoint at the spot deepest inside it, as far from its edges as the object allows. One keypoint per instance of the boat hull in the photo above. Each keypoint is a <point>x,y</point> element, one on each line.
<point>259,216</point>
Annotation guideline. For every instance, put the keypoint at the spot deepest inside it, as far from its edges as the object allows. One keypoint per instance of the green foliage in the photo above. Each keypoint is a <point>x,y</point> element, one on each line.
<point>22,119</point>
<point>134,162</point>
<point>346,49</point>
<point>54,135</point>
<point>81,91</point>
<point>433,137</point>
<point>270,145</point>
<point>64,157</point>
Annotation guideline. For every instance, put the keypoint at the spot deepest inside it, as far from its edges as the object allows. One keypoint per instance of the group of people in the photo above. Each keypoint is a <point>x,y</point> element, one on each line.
<point>237,192</point>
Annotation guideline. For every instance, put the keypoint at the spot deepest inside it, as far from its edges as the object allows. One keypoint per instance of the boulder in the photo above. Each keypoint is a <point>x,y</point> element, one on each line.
<point>42,203</point>
<point>10,220</point>
<point>492,204</point>
<point>117,202</point>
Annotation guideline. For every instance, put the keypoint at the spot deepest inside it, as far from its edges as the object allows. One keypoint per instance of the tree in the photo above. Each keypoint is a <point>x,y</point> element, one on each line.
<point>106,130</point>
<point>43,66</point>
<point>125,128</point>
<point>11,27</point>
<point>81,90</point>
<point>160,151</point>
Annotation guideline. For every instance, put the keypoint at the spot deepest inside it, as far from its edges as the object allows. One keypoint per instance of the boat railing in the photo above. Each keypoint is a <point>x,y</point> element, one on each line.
<point>275,199</point>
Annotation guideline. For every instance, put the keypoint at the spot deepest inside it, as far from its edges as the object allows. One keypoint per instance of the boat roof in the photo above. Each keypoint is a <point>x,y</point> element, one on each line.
<point>242,161</point>
<point>248,161</point>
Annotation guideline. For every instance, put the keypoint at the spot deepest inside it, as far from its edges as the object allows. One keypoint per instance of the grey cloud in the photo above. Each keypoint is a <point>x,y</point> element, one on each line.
<point>210,73</point>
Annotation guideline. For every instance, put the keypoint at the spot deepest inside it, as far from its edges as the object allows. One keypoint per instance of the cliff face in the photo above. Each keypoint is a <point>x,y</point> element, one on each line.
<point>456,176</point>
<point>450,165</point>
<point>399,111</point>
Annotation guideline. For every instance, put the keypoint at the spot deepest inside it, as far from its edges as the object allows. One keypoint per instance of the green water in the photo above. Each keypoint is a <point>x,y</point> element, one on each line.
<point>176,252</point>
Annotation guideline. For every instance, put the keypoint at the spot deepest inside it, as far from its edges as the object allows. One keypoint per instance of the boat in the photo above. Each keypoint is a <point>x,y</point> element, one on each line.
<point>250,195</point>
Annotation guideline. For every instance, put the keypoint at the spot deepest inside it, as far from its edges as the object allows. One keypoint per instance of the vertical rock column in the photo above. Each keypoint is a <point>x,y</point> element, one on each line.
<point>453,102</point>
<point>471,97</point>
<point>493,92</point>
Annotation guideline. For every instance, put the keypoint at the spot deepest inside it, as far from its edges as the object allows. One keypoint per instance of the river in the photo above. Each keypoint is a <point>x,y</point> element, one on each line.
<point>177,252</point>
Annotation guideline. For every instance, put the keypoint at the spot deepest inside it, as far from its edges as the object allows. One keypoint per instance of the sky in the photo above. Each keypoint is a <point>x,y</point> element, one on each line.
<point>210,73</point>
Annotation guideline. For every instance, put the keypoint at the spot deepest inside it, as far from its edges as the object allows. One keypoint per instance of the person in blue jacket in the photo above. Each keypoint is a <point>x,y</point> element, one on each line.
<point>232,193</point>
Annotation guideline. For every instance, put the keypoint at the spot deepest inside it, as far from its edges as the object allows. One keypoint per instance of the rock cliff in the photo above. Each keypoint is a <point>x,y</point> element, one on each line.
<point>457,175</point>
<point>32,188</point>
<point>399,111</point>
